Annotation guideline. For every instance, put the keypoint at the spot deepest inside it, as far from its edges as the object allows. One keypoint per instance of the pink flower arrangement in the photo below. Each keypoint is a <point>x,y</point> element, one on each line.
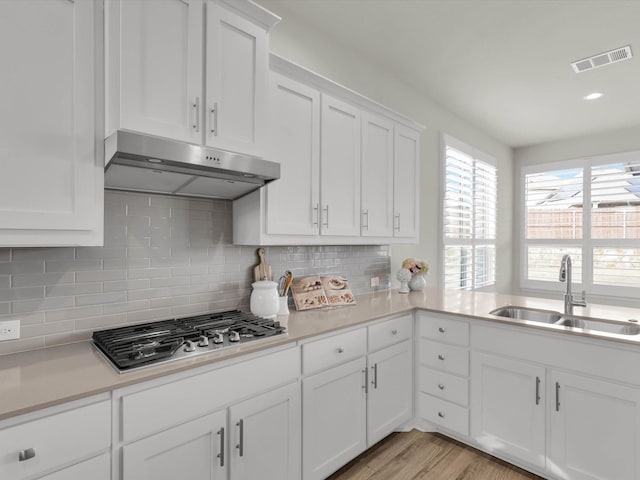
<point>415,266</point>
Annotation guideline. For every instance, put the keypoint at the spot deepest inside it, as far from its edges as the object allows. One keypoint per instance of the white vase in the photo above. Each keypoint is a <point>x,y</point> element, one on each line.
<point>417,283</point>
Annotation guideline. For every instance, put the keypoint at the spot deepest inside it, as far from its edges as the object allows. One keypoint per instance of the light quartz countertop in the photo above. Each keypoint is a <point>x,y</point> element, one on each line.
<point>42,378</point>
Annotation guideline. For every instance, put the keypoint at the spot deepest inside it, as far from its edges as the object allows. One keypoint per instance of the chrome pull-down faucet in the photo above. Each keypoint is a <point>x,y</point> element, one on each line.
<point>565,276</point>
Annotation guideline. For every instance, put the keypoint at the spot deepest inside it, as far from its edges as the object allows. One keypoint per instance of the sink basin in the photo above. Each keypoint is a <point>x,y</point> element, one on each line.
<point>524,313</point>
<point>600,325</point>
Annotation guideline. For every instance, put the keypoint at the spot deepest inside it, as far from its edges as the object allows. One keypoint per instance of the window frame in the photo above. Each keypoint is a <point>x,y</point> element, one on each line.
<point>586,243</point>
<point>447,140</point>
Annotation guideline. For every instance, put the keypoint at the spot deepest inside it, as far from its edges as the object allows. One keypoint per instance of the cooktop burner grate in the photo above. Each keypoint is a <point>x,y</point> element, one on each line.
<point>149,343</point>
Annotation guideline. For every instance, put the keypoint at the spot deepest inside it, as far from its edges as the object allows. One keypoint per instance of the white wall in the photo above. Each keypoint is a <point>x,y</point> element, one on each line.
<point>615,141</point>
<point>303,44</point>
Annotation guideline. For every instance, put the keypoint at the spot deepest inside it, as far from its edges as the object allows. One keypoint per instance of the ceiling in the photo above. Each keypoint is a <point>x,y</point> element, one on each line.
<point>503,65</point>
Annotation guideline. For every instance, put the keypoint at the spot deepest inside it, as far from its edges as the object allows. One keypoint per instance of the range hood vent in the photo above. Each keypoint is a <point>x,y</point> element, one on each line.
<point>602,59</point>
<point>146,163</point>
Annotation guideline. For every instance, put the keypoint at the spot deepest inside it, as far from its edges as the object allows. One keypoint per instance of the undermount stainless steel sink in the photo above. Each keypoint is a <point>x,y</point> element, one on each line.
<point>600,325</point>
<point>524,313</point>
<point>555,318</point>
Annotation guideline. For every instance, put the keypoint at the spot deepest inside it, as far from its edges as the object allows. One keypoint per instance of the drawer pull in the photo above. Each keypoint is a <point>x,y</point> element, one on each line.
<point>441,415</point>
<point>27,454</point>
<point>340,350</point>
<point>394,331</point>
<point>440,357</point>
<point>441,330</point>
<point>441,386</point>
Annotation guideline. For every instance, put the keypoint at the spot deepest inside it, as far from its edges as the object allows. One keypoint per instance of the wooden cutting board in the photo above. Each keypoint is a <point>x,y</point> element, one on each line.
<point>263,269</point>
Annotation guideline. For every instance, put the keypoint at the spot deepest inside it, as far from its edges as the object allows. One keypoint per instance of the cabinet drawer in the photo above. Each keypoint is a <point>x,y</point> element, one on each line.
<point>444,414</point>
<point>444,385</point>
<point>163,406</point>
<point>57,439</point>
<point>334,350</point>
<point>390,332</point>
<point>444,330</point>
<point>444,357</point>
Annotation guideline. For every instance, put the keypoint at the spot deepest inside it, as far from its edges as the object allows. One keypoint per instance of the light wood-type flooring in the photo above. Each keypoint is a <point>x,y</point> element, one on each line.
<point>427,456</point>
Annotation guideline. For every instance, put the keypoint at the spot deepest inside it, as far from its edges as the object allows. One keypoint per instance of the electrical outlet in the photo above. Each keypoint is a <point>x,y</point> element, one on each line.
<point>9,330</point>
<point>375,281</point>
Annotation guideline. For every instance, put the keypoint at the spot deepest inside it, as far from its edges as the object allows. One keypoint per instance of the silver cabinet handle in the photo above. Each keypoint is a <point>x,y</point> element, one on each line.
<point>441,330</point>
<point>340,350</point>
<point>441,357</point>
<point>441,386</point>
<point>441,414</point>
<point>240,445</point>
<point>214,119</point>
<point>398,218</point>
<point>325,216</point>
<point>374,382</point>
<point>221,454</point>
<point>394,331</point>
<point>365,386</point>
<point>537,390</point>
<point>196,113</point>
<point>316,214</point>
<point>557,397</point>
<point>27,454</point>
<point>365,213</point>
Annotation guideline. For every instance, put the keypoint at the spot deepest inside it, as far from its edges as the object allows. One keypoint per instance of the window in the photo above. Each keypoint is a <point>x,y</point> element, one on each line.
<point>589,209</point>
<point>469,217</point>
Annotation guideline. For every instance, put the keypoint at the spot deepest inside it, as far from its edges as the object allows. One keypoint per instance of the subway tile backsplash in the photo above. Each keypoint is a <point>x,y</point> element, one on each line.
<point>162,257</point>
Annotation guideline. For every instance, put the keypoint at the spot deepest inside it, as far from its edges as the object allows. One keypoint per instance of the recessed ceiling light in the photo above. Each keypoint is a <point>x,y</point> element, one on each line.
<point>593,96</point>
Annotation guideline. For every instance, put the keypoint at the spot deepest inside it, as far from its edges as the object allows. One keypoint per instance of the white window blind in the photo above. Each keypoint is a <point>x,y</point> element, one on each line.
<point>590,210</point>
<point>469,217</point>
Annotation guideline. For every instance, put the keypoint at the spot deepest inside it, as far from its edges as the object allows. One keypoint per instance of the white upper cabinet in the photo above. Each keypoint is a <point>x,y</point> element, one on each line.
<point>340,168</point>
<point>349,168</point>
<point>51,185</point>
<point>191,70</point>
<point>406,180</point>
<point>236,81</point>
<point>377,176</point>
<point>293,202</point>
<point>160,69</point>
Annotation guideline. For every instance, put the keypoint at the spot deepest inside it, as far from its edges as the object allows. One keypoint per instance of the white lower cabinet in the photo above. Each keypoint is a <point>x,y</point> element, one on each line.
<point>593,429</point>
<point>334,418</point>
<point>389,391</point>
<point>554,413</point>
<point>258,438</point>
<point>55,445</point>
<point>352,399</point>
<point>508,410</point>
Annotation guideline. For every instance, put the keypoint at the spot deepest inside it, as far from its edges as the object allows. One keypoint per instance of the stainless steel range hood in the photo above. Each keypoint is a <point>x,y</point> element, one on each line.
<point>146,163</point>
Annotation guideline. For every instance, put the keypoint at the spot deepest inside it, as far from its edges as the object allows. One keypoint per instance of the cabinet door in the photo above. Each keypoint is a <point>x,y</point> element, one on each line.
<point>377,176</point>
<point>390,390</point>
<point>340,168</point>
<point>196,447</point>
<point>593,428</point>
<point>51,183</point>
<point>265,440</point>
<point>334,419</point>
<point>236,81</point>
<point>406,178</point>
<point>293,201</point>
<point>159,46</point>
<point>508,407</point>
<point>98,468</point>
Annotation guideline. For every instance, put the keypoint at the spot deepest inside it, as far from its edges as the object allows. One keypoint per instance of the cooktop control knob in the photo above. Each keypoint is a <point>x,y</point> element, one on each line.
<point>190,346</point>
<point>218,338</point>
<point>234,337</point>
<point>203,342</point>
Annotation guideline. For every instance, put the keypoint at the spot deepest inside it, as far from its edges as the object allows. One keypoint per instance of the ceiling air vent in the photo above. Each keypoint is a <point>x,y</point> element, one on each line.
<point>602,59</point>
